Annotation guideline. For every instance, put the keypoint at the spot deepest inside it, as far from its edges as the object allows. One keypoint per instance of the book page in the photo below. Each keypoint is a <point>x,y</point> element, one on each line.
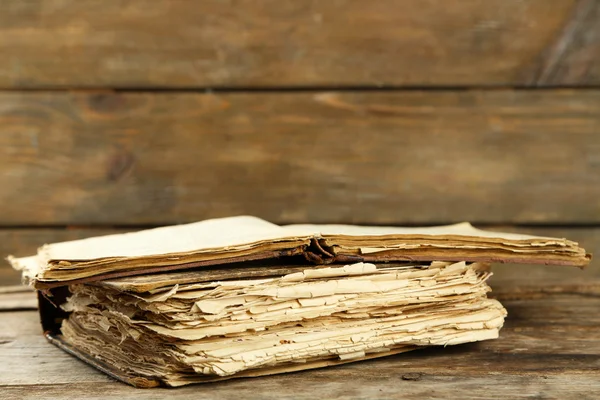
<point>209,234</point>
<point>462,229</point>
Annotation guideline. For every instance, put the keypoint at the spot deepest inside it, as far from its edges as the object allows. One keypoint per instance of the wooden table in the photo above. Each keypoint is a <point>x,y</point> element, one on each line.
<point>549,348</point>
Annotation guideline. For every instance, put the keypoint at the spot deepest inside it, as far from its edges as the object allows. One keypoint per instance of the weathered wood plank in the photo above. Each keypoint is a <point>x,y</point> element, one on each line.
<point>17,298</point>
<point>575,55</point>
<point>549,348</point>
<point>270,43</point>
<point>417,157</point>
<point>8,277</point>
<point>379,385</point>
<point>32,360</point>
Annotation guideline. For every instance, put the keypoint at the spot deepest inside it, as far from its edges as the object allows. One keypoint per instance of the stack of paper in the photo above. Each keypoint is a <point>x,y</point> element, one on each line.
<point>242,297</point>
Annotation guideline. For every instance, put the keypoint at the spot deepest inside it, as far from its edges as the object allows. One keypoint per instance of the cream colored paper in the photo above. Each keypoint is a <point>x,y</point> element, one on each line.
<point>461,229</point>
<point>221,240</point>
<point>212,234</point>
<point>214,330</point>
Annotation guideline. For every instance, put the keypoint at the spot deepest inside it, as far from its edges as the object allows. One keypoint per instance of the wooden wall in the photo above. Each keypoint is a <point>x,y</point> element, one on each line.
<point>124,114</point>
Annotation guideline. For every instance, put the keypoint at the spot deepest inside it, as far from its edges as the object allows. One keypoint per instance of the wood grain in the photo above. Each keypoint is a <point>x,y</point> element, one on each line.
<point>549,348</point>
<point>575,55</point>
<point>414,157</point>
<point>274,43</point>
<point>17,298</point>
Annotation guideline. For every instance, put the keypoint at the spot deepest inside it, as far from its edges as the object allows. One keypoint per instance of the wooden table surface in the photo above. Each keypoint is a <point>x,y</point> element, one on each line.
<point>549,348</point>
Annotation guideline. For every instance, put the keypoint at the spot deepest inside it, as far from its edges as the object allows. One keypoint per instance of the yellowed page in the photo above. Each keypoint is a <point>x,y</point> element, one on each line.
<point>209,234</point>
<point>461,229</point>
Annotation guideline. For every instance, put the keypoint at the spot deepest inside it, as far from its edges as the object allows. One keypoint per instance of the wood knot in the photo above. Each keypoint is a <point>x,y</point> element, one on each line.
<point>119,164</point>
<point>412,376</point>
<point>106,103</point>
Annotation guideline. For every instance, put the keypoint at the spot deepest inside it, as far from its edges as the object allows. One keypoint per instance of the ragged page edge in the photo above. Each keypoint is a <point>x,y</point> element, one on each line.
<point>29,267</point>
<point>89,249</point>
<point>212,234</point>
<point>460,229</point>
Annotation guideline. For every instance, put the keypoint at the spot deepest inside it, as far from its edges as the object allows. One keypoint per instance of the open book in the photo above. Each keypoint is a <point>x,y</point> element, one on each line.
<point>240,296</point>
<point>237,239</point>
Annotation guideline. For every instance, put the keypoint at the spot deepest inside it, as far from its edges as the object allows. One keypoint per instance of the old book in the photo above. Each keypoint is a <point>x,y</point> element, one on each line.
<point>235,239</point>
<point>242,297</point>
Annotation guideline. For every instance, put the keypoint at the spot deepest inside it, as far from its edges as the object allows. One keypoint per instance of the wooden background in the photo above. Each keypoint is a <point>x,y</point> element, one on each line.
<point>120,115</point>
